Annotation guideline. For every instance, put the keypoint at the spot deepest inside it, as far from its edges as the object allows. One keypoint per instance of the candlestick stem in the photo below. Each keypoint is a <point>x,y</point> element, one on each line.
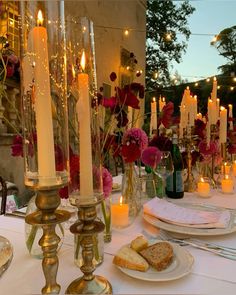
<point>48,217</point>
<point>87,228</point>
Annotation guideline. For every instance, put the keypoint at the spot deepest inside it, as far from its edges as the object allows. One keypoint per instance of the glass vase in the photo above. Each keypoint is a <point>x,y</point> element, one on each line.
<point>105,216</point>
<point>131,192</point>
<point>98,249</point>
<point>34,233</point>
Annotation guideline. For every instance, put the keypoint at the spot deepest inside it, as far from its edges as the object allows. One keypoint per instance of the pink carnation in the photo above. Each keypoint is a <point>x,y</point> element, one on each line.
<point>136,135</point>
<point>206,149</point>
<point>151,156</point>
<point>107,182</point>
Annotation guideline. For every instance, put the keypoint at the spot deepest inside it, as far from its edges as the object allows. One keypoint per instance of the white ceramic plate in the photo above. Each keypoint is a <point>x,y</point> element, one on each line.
<point>6,254</point>
<point>180,266</point>
<point>191,230</point>
<point>116,187</point>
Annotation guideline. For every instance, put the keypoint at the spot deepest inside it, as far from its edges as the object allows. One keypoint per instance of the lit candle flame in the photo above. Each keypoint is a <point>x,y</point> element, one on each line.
<point>163,99</point>
<point>82,62</point>
<point>226,176</point>
<point>121,200</point>
<point>202,180</point>
<point>40,18</point>
<point>153,99</point>
<point>222,108</point>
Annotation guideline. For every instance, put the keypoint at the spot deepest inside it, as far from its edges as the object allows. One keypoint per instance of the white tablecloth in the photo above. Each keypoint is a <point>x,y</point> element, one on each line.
<point>210,274</point>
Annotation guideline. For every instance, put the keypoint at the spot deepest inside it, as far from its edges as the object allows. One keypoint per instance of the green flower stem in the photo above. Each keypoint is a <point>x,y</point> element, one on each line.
<point>107,217</point>
<point>31,237</point>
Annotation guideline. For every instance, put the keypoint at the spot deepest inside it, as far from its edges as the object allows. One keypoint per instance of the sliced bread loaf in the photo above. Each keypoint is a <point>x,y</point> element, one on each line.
<point>128,258</point>
<point>139,244</point>
<point>158,255</point>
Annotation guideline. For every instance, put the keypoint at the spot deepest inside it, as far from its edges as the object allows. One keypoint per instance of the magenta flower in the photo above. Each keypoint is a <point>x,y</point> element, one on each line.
<point>151,156</point>
<point>107,182</point>
<point>206,149</point>
<point>136,135</point>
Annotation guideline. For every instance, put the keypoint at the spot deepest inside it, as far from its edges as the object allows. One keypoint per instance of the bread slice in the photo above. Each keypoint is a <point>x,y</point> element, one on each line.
<point>139,244</point>
<point>128,258</point>
<point>158,255</point>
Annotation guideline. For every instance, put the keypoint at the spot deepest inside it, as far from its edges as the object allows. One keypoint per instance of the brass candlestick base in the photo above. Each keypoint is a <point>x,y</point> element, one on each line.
<point>87,227</point>
<point>47,200</point>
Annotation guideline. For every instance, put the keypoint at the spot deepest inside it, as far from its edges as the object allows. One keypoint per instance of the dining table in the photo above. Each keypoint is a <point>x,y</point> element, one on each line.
<point>209,273</point>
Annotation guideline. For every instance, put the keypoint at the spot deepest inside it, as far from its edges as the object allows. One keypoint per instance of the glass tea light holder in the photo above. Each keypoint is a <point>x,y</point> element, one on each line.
<point>227,184</point>
<point>204,187</point>
<point>45,132</point>
<point>85,185</point>
<point>234,168</point>
<point>120,213</point>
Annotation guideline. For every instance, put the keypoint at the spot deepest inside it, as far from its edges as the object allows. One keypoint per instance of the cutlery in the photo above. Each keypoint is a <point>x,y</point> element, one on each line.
<point>218,251</point>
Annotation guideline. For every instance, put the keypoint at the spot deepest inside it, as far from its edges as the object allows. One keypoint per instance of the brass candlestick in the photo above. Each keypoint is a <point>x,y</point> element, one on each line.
<point>188,142</point>
<point>214,132</point>
<point>87,227</point>
<point>47,201</point>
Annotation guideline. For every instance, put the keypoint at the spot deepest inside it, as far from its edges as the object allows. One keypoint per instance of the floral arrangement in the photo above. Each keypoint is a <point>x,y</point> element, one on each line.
<point>151,156</point>
<point>133,143</point>
<point>9,62</point>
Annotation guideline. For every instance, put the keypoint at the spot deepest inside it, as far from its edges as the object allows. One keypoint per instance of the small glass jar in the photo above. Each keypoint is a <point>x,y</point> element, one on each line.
<point>204,187</point>
<point>227,184</point>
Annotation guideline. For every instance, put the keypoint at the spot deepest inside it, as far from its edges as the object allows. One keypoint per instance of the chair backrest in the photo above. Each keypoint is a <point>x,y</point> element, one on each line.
<point>4,195</point>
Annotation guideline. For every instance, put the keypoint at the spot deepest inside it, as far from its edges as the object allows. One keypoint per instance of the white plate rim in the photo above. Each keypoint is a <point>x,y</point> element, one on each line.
<point>179,253</point>
<point>4,266</point>
<point>191,230</point>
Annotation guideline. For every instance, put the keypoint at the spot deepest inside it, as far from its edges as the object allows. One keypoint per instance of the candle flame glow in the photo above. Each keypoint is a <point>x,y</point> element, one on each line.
<point>202,180</point>
<point>82,62</point>
<point>40,18</point>
<point>226,176</point>
<point>154,99</point>
<point>121,200</point>
<point>222,108</point>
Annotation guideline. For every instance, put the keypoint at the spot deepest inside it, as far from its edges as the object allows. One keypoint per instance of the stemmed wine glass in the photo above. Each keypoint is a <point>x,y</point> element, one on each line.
<point>164,169</point>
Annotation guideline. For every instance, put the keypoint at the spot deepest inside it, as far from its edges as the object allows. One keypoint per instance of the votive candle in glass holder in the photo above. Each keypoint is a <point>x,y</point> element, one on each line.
<point>227,185</point>
<point>203,188</point>
<point>234,168</point>
<point>120,214</point>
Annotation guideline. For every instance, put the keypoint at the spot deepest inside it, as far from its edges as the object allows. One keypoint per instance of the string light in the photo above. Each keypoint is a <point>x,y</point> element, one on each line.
<point>168,37</point>
<point>234,79</point>
<point>208,79</point>
<point>231,88</point>
<point>155,75</point>
<point>126,32</point>
<point>196,84</point>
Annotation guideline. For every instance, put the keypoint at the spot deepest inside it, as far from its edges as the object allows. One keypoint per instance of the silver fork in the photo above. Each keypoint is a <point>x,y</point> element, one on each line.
<point>182,242</point>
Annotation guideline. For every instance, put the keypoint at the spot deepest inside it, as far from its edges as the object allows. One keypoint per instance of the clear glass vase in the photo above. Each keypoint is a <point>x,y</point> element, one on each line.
<point>98,249</point>
<point>131,191</point>
<point>105,216</point>
<point>34,233</point>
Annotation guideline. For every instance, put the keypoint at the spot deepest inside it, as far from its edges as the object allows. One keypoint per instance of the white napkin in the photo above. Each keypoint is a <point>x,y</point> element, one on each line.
<point>178,215</point>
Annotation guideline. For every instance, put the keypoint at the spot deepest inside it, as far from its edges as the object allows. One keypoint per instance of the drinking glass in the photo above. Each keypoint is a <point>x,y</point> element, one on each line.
<point>164,169</point>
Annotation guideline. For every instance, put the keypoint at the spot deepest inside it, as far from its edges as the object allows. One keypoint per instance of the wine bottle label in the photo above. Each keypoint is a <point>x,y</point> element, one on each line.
<point>179,182</point>
<point>179,185</point>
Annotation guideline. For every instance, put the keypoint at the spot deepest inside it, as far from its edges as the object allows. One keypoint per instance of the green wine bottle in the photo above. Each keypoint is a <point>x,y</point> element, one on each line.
<point>174,182</point>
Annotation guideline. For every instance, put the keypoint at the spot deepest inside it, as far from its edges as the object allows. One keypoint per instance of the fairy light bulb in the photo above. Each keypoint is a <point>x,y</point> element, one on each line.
<point>126,32</point>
